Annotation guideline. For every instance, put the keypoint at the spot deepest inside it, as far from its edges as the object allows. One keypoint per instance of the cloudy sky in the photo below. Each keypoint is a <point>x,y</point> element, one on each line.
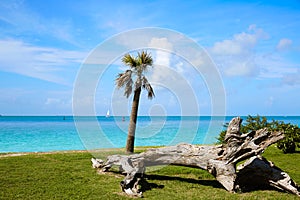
<point>255,47</point>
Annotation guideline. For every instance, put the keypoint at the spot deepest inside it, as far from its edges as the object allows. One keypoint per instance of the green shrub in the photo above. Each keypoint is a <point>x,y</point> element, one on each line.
<point>291,132</point>
<point>221,137</point>
<point>292,136</point>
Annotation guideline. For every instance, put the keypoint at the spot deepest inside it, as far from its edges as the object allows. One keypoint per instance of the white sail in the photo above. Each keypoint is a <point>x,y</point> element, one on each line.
<point>107,114</point>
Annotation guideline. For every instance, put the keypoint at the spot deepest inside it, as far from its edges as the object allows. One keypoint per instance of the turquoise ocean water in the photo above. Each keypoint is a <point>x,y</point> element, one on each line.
<point>55,133</point>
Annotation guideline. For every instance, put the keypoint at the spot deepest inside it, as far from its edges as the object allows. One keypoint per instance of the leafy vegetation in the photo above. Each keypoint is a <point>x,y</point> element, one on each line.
<point>70,176</point>
<point>291,132</point>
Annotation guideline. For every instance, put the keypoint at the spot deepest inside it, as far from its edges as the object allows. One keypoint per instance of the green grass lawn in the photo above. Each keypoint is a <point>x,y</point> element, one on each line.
<point>70,176</point>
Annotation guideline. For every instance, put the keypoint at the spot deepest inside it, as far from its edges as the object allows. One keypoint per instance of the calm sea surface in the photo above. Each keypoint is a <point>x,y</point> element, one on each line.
<point>54,133</point>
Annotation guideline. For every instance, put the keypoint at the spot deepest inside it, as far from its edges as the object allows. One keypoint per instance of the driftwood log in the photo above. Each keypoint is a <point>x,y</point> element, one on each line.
<point>219,160</point>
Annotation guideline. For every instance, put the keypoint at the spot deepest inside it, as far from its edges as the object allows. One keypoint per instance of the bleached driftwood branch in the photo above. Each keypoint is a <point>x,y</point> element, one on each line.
<point>219,160</point>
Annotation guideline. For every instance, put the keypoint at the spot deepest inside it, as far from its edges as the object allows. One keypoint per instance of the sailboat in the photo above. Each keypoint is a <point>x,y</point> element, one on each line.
<point>107,113</point>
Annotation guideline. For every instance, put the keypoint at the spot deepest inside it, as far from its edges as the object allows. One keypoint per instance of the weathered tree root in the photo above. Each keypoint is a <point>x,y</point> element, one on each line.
<point>219,160</point>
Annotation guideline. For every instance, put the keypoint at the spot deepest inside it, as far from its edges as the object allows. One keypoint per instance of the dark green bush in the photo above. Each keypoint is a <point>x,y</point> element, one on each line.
<point>291,132</point>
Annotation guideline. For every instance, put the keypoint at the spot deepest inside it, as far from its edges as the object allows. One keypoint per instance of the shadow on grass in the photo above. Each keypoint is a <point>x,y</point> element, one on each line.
<point>211,183</point>
<point>145,185</point>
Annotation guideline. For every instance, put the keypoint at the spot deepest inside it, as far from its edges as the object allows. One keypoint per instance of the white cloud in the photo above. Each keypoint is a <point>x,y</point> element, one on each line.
<point>162,59</point>
<point>161,45</point>
<point>38,62</point>
<point>236,56</point>
<point>241,67</point>
<point>284,44</point>
<point>227,47</point>
<point>242,43</point>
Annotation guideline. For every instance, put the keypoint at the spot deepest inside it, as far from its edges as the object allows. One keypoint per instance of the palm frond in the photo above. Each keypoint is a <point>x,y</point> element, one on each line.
<point>146,85</point>
<point>138,65</point>
<point>129,61</point>
<point>123,78</point>
<point>144,60</point>
<point>128,88</point>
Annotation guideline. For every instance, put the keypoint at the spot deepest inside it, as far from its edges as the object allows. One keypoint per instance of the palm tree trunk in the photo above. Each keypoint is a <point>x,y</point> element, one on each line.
<point>132,123</point>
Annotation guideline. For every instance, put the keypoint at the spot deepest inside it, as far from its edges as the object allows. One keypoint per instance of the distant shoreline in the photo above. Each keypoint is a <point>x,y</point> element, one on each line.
<point>14,154</point>
<point>147,115</point>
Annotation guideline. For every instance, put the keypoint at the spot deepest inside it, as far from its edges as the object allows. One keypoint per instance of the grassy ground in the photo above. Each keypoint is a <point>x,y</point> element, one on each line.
<point>69,176</point>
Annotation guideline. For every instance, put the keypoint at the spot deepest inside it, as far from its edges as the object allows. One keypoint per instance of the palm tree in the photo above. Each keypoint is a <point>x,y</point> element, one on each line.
<point>137,67</point>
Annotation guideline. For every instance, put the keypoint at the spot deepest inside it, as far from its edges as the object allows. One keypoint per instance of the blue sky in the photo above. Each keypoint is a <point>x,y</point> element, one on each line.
<point>255,46</point>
